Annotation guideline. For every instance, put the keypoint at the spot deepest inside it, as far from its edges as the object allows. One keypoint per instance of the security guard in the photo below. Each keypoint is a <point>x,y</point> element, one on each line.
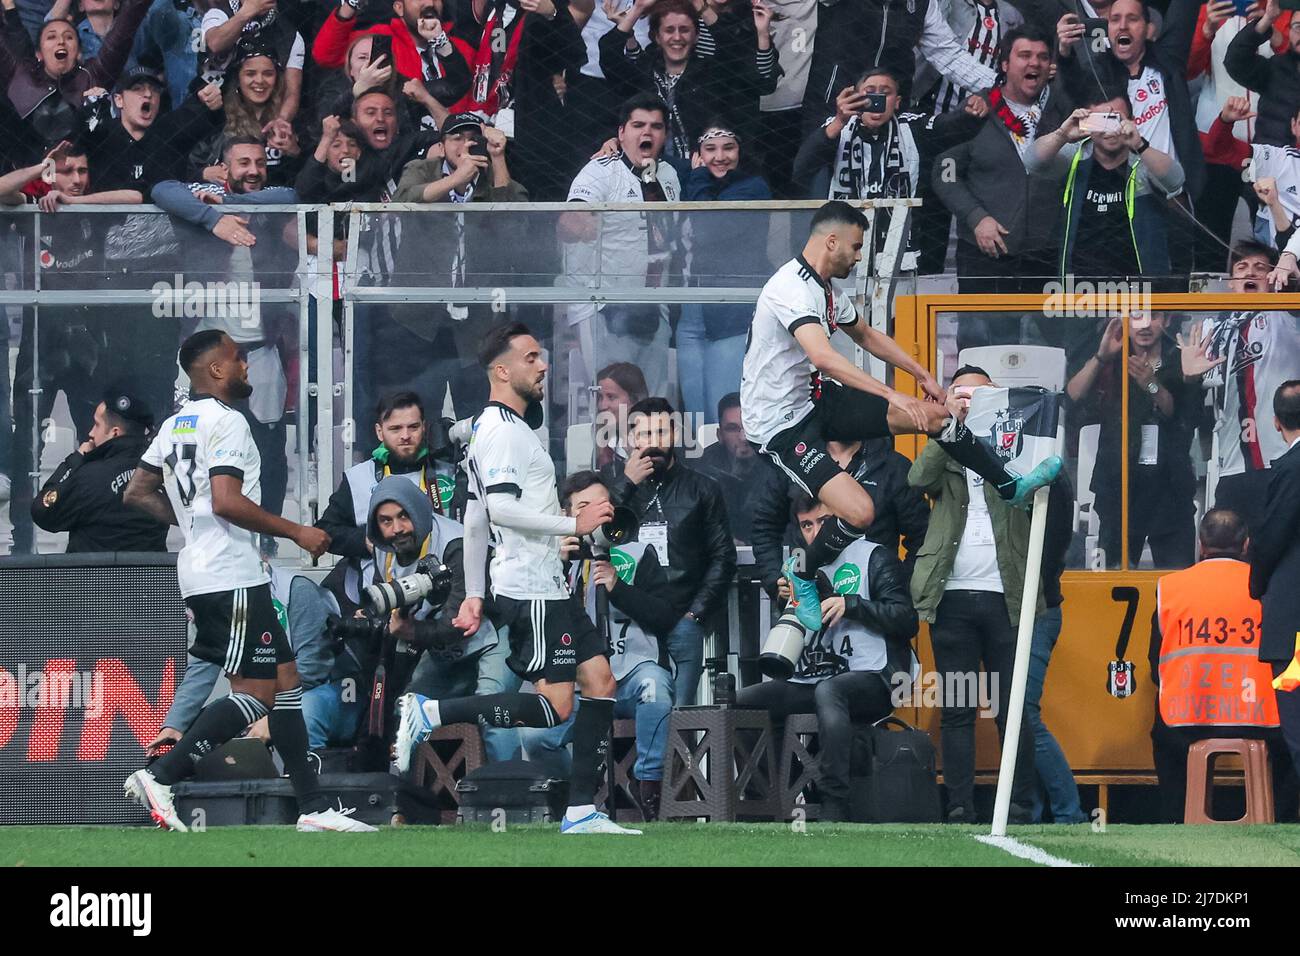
<point>1205,660</point>
<point>84,495</point>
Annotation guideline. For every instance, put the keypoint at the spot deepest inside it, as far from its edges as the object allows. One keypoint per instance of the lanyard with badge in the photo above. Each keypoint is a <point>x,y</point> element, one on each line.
<point>430,488</point>
<point>654,534</point>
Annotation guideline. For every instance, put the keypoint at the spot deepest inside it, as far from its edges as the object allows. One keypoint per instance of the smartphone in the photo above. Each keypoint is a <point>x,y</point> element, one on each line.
<point>875,103</point>
<point>1244,7</point>
<point>1101,123</point>
<point>1095,28</point>
<point>381,45</point>
<point>478,145</point>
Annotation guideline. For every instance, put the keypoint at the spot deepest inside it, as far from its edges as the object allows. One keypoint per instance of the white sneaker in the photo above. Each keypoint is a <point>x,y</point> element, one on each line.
<point>154,797</point>
<point>596,823</point>
<point>413,728</point>
<point>336,820</point>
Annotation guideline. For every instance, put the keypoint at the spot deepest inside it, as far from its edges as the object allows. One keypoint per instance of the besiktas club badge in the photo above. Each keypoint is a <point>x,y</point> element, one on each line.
<point>1008,433</point>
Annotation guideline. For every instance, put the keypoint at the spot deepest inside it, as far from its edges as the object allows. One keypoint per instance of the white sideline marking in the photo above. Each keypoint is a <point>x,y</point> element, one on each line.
<point>1025,851</point>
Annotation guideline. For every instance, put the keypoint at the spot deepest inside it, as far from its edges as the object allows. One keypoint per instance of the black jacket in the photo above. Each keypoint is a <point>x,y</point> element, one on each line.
<point>1275,561</point>
<point>890,610</point>
<point>901,510</point>
<point>1168,55</point>
<point>855,34</point>
<point>701,554</point>
<point>119,161</point>
<point>1276,79</point>
<point>84,498</point>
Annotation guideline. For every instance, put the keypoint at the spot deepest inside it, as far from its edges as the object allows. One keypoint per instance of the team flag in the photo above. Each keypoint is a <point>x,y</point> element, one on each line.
<point>1019,424</point>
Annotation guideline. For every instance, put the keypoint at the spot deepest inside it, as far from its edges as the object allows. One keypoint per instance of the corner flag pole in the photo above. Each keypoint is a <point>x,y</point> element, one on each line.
<point>1020,673</point>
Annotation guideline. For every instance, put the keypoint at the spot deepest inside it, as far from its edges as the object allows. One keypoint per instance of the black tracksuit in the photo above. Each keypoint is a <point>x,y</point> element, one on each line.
<point>84,498</point>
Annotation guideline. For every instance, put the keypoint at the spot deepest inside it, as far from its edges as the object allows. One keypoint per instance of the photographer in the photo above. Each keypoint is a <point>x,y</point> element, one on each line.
<point>84,495</point>
<point>683,517</point>
<point>640,615</point>
<point>848,669</point>
<point>901,511</point>
<point>408,536</point>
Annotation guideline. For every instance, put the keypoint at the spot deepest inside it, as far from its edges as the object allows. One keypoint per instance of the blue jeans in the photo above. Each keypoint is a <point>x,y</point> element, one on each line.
<point>686,648</point>
<point>1055,778</point>
<point>330,718</point>
<point>707,369</point>
<point>485,673</point>
<point>646,694</point>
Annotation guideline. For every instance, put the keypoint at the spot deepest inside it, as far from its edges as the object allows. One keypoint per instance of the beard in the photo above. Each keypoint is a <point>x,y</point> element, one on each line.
<point>240,388</point>
<point>406,548</point>
<point>661,459</point>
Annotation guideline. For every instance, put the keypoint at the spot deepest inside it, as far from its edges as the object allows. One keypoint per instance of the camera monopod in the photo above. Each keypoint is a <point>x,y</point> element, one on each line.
<point>602,627</point>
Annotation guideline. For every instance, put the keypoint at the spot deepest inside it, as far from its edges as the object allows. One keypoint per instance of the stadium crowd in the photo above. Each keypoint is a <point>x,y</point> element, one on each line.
<point>1046,141</point>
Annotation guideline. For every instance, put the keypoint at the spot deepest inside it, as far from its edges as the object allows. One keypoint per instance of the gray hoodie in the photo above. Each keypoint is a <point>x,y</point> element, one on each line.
<point>446,540</point>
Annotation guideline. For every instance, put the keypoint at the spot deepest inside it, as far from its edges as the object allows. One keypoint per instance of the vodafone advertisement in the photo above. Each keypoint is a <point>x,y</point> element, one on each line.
<point>90,657</point>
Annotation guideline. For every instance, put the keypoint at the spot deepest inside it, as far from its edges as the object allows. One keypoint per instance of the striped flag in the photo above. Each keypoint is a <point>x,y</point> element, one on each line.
<point>1019,424</point>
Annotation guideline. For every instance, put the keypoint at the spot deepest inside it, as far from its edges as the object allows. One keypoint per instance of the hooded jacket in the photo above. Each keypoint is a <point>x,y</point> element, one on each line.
<point>441,539</point>
<point>1276,79</point>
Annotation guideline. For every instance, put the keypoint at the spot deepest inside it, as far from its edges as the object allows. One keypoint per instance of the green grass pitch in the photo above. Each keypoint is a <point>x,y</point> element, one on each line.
<point>664,844</point>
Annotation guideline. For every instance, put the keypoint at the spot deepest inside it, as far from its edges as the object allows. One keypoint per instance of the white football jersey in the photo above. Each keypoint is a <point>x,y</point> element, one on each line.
<point>507,457</point>
<point>777,381</point>
<point>1262,351</point>
<point>205,438</point>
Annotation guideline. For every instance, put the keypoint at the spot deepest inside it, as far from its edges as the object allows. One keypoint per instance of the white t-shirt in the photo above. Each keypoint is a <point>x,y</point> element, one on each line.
<point>1283,164</point>
<point>598,24</point>
<point>215,17</point>
<point>626,246</point>
<point>207,437</point>
<point>1150,102</point>
<point>1242,387</point>
<point>777,379</point>
<point>506,456</point>
<point>975,567</point>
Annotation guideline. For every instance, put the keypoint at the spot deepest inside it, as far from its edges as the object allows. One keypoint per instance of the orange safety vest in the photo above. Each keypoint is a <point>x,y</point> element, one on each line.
<point>1210,672</point>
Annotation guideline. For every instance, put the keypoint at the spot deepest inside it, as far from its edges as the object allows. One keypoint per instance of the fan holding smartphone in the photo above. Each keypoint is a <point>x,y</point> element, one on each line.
<point>1116,184</point>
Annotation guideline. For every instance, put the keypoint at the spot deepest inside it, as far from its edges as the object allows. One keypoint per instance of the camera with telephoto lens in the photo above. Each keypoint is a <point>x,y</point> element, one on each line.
<point>365,633</point>
<point>620,529</point>
<point>430,581</point>
<point>783,647</point>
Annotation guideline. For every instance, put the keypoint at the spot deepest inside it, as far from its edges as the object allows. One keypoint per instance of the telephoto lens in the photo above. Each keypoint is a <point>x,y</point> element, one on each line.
<point>783,647</point>
<point>620,529</point>
<point>429,581</point>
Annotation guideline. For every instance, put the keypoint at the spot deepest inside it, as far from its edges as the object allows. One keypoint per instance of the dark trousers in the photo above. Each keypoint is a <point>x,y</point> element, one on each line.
<point>1215,208</point>
<point>971,627</point>
<point>1169,746</point>
<point>1288,712</point>
<point>1173,543</point>
<point>1027,272</point>
<point>838,701</point>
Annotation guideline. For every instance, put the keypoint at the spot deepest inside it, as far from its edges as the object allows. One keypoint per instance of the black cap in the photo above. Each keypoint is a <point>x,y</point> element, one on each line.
<point>461,121</point>
<point>137,75</point>
<point>125,405</point>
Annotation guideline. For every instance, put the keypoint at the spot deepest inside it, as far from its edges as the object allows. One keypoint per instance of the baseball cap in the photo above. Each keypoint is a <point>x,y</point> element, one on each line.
<point>125,405</point>
<point>458,122</point>
<point>137,75</point>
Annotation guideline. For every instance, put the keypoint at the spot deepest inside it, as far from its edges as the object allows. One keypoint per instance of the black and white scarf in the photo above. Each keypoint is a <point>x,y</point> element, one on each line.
<point>884,166</point>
